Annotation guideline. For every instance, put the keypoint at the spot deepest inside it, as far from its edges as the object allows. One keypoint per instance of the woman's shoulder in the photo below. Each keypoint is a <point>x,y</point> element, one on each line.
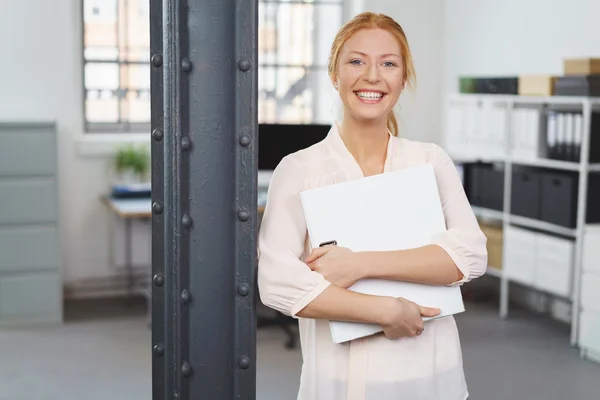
<point>301,163</point>
<point>420,150</point>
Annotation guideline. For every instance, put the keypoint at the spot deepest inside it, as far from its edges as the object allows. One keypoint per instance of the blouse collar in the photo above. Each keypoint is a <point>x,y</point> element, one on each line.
<point>338,146</point>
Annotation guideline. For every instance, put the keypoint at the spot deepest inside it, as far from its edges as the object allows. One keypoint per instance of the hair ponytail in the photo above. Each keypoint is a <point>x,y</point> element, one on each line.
<point>392,123</point>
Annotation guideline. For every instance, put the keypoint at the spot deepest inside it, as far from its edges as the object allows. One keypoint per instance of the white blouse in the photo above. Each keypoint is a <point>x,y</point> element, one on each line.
<point>427,367</point>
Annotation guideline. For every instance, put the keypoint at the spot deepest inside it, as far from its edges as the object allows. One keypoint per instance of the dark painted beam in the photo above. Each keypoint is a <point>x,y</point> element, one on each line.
<point>204,164</point>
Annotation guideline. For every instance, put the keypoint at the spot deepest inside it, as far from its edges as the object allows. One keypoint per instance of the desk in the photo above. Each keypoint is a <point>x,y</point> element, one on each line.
<point>128,210</point>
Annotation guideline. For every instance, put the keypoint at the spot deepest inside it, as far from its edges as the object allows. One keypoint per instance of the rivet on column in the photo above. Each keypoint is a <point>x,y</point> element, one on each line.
<point>245,140</point>
<point>186,370</point>
<point>159,350</point>
<point>243,289</point>
<point>186,65</point>
<point>157,134</point>
<point>186,143</point>
<point>244,362</point>
<point>185,296</point>
<point>244,65</point>
<point>243,215</point>
<point>157,207</point>
<point>157,60</point>
<point>159,280</point>
<point>186,220</point>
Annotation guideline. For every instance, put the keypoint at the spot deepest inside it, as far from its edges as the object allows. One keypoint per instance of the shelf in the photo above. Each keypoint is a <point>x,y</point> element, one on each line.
<point>547,163</point>
<point>493,271</point>
<point>487,213</point>
<point>541,225</point>
<point>568,100</point>
<point>538,162</point>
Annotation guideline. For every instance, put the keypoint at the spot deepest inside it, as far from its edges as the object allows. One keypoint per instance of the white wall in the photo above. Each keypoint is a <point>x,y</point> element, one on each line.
<point>41,79</point>
<point>510,37</point>
<point>422,22</point>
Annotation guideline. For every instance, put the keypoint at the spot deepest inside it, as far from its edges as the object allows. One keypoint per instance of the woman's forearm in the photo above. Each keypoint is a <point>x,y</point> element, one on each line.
<point>428,264</point>
<point>338,304</point>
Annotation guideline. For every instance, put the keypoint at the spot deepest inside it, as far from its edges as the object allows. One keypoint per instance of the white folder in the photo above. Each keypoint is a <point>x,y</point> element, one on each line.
<point>391,211</point>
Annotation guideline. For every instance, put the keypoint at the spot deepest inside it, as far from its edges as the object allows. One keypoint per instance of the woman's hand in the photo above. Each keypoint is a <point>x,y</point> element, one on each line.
<point>337,264</point>
<point>405,318</point>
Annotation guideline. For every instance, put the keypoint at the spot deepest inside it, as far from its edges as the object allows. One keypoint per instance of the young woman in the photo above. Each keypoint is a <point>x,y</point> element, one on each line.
<point>370,65</point>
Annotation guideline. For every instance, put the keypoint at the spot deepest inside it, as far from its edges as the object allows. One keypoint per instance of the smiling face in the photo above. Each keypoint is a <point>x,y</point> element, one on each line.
<point>370,74</point>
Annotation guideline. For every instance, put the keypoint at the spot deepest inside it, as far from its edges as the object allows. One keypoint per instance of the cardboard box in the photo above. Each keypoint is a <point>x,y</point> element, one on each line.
<point>536,85</point>
<point>581,66</point>
<point>494,234</point>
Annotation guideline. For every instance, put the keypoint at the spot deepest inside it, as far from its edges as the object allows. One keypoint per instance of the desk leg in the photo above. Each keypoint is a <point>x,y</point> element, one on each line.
<point>128,261</point>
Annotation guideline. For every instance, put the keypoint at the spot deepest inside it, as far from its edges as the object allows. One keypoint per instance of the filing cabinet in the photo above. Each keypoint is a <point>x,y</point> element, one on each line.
<point>525,192</point>
<point>30,278</point>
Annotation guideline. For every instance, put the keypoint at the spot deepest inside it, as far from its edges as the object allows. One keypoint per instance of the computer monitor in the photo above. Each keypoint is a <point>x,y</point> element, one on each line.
<point>276,141</point>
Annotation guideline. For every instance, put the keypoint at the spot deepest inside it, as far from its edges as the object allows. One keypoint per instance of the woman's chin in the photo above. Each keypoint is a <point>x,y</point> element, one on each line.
<point>370,117</point>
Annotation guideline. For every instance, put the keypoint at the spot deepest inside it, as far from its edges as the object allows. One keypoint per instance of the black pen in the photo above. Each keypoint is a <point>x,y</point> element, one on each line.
<point>329,243</point>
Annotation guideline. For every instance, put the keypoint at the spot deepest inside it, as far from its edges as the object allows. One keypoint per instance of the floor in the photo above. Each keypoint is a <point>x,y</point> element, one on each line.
<point>106,357</point>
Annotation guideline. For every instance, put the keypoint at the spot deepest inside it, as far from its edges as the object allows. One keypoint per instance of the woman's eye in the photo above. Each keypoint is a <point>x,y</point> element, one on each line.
<point>355,62</point>
<point>389,64</point>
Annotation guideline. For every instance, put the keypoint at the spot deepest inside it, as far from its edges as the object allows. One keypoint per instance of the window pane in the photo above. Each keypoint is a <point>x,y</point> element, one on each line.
<point>102,76</point>
<point>135,106</point>
<point>102,106</point>
<point>297,34</point>
<point>284,95</point>
<point>135,76</point>
<point>100,24</point>
<point>136,30</point>
<point>101,53</point>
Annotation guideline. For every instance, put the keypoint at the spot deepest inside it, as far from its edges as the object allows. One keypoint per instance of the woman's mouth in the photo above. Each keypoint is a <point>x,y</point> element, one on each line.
<point>369,97</point>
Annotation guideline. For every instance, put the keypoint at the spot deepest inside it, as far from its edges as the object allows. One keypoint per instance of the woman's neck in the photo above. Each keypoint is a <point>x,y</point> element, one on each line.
<point>367,143</point>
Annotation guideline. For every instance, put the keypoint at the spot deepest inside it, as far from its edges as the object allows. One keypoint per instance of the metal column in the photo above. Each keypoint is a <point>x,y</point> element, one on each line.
<point>204,165</point>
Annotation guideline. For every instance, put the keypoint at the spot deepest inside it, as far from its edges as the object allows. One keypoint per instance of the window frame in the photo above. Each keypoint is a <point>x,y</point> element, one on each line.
<point>125,127</point>
<point>120,127</point>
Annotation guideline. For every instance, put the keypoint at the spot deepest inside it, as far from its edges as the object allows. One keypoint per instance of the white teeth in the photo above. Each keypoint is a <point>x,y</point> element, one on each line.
<point>369,95</point>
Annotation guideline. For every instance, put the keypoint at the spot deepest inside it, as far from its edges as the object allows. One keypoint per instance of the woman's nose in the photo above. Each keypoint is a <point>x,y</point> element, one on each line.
<point>371,74</point>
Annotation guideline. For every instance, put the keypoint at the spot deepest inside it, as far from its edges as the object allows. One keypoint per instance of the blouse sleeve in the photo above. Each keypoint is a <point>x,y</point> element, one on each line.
<point>463,240</point>
<point>285,283</point>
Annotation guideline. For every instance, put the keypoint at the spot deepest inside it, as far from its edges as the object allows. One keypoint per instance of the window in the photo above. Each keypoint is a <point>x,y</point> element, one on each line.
<point>116,65</point>
<point>294,40</point>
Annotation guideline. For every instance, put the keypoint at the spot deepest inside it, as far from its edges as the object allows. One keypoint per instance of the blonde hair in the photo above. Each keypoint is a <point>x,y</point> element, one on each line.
<point>368,20</point>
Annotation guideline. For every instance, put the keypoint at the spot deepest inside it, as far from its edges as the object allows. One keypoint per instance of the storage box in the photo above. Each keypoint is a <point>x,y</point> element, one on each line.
<point>536,85</point>
<point>559,198</point>
<point>485,186</point>
<point>525,192</point>
<point>494,235</point>
<point>497,85</point>
<point>467,84</point>
<point>581,66</point>
<point>588,85</point>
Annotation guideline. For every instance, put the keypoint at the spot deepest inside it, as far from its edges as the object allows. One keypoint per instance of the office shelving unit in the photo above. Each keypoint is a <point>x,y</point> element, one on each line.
<point>482,128</point>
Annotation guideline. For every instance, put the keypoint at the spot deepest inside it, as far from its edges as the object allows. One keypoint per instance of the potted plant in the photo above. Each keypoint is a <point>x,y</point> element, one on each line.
<point>132,164</point>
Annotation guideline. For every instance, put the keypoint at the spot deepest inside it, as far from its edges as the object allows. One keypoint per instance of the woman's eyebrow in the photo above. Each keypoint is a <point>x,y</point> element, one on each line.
<point>381,56</point>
